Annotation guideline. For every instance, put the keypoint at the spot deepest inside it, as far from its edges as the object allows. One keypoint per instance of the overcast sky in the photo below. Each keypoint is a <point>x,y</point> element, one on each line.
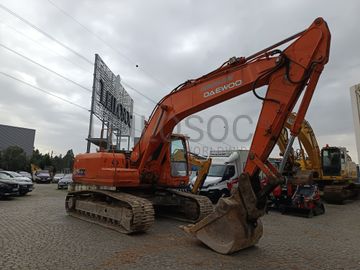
<point>170,41</point>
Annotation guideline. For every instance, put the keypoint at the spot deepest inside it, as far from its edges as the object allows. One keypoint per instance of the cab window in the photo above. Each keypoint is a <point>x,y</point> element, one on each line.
<point>178,157</point>
<point>331,162</point>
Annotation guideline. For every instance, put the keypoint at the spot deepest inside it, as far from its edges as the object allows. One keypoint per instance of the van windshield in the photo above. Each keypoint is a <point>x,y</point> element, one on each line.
<point>217,170</point>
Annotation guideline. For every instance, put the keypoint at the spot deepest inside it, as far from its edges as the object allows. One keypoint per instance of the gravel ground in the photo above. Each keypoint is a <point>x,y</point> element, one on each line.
<point>36,233</point>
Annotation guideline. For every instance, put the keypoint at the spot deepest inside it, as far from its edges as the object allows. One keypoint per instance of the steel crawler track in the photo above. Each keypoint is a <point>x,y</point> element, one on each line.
<point>122,212</point>
<point>182,205</point>
<point>338,194</point>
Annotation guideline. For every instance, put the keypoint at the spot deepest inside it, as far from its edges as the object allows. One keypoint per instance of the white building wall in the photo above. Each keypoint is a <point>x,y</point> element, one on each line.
<point>355,104</point>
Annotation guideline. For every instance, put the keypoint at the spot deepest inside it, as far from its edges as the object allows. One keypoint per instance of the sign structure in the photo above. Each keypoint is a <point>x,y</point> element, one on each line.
<point>111,104</point>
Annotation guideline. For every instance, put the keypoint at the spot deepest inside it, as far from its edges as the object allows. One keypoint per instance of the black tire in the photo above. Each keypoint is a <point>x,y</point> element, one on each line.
<point>215,197</point>
<point>322,206</point>
<point>219,194</point>
<point>311,213</point>
<point>320,209</point>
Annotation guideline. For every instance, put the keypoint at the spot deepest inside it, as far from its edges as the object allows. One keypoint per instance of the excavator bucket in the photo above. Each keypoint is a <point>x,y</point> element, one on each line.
<point>234,224</point>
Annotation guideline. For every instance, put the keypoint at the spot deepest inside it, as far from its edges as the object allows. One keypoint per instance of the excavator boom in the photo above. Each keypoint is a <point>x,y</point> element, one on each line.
<point>307,157</point>
<point>285,72</point>
<point>235,223</point>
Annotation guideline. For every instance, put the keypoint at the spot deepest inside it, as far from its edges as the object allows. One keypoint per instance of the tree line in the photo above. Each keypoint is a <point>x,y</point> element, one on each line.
<point>14,158</point>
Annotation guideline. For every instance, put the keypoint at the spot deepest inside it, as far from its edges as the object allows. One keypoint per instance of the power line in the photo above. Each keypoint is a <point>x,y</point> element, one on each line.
<point>43,46</point>
<point>137,91</point>
<point>58,97</point>
<point>105,42</point>
<point>70,80</point>
<point>49,93</point>
<point>70,49</point>
<point>45,34</point>
<point>44,67</point>
<point>52,71</point>
<point>42,90</point>
<point>61,44</point>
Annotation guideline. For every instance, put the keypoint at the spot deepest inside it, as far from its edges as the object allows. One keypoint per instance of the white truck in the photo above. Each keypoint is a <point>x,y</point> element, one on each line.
<point>226,166</point>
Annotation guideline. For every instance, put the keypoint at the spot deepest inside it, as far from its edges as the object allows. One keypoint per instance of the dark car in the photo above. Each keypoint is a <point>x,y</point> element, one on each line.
<point>8,189</point>
<point>42,177</point>
<point>65,181</point>
<point>25,183</point>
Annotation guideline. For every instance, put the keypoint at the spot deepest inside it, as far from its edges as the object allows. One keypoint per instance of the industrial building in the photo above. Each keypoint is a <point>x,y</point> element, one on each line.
<point>22,137</point>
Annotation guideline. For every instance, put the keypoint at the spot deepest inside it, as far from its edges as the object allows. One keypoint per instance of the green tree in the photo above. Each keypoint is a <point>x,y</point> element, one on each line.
<point>58,163</point>
<point>36,157</point>
<point>13,158</point>
<point>46,161</point>
<point>68,159</point>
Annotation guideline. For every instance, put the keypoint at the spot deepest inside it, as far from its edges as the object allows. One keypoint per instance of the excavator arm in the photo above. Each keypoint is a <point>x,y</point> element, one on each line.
<point>235,223</point>
<point>203,169</point>
<point>309,153</point>
<point>287,73</point>
<point>202,164</point>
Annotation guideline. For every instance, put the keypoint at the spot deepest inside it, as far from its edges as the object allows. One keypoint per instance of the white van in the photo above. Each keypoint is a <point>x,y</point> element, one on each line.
<point>226,166</point>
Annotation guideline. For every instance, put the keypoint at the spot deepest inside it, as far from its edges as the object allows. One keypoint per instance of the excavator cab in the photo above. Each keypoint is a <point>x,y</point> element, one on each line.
<point>331,159</point>
<point>178,156</point>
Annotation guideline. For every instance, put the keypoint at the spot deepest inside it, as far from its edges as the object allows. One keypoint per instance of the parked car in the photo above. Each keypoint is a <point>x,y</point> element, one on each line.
<point>42,177</point>
<point>25,183</point>
<point>65,181</point>
<point>8,189</point>
<point>57,177</point>
<point>26,174</point>
<point>14,185</point>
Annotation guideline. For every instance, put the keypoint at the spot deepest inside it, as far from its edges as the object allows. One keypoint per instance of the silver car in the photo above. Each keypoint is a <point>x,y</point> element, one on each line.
<point>26,174</point>
<point>14,184</point>
<point>25,183</point>
<point>65,181</point>
<point>57,177</point>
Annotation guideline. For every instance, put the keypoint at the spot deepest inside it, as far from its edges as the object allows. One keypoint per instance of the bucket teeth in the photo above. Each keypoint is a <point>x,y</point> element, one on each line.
<point>234,224</point>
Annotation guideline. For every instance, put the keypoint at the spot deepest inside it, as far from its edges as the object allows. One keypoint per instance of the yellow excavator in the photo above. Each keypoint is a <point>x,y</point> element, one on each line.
<point>331,167</point>
<point>202,164</point>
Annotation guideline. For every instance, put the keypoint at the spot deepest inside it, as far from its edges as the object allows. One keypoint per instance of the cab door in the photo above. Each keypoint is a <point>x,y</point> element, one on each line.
<point>175,168</point>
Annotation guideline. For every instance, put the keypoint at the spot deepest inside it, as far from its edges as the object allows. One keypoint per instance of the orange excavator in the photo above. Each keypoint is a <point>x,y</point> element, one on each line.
<point>121,190</point>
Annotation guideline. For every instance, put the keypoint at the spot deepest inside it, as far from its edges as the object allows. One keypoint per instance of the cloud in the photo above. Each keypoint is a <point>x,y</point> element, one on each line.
<point>170,42</point>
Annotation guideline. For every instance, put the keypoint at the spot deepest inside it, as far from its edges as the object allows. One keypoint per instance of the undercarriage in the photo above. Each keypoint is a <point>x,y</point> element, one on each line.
<point>339,193</point>
<point>132,211</point>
